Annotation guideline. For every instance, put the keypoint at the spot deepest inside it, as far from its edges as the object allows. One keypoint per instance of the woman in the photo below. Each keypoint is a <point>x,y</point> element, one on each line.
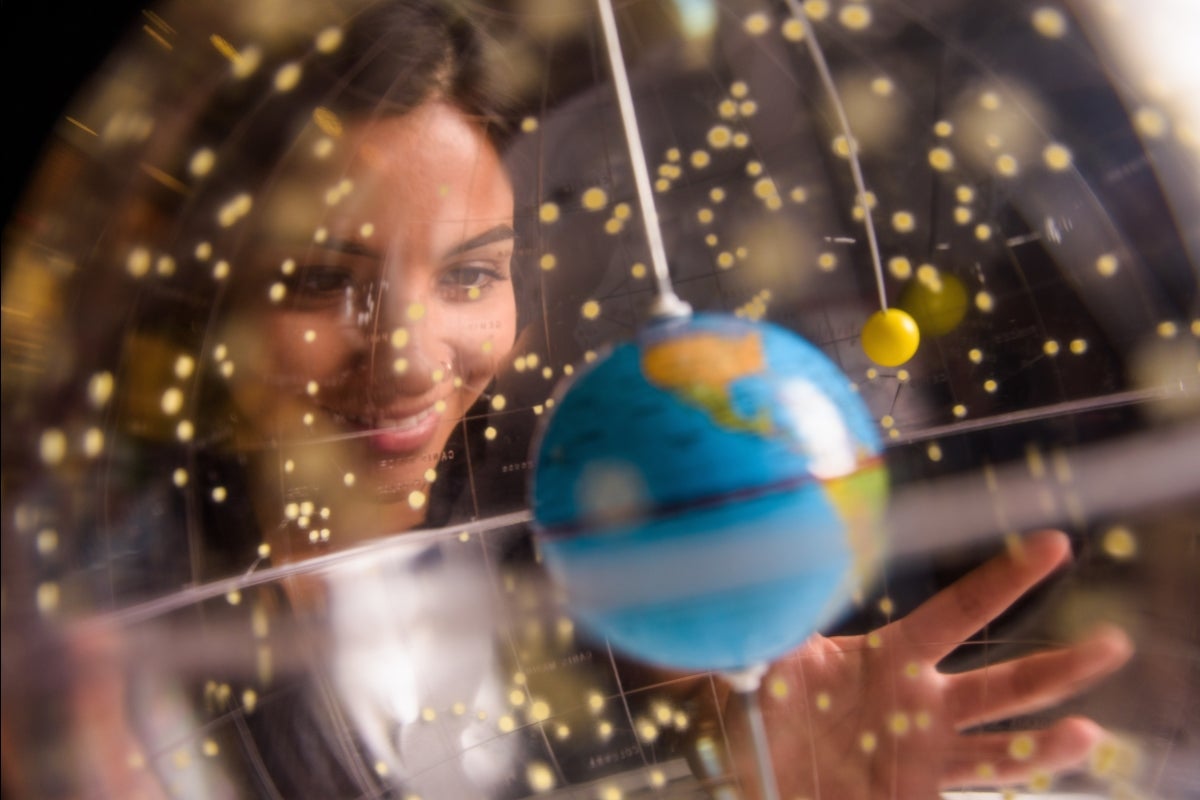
<point>365,298</point>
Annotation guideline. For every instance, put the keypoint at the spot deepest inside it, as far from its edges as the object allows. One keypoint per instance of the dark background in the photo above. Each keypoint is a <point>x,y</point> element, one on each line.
<point>50,50</point>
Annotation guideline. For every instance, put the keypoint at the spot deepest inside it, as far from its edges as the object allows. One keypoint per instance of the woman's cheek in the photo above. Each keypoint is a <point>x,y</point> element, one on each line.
<point>304,346</point>
<point>484,336</point>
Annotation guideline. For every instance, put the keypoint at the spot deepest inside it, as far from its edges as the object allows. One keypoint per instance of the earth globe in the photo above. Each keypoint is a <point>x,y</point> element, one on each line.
<point>710,492</point>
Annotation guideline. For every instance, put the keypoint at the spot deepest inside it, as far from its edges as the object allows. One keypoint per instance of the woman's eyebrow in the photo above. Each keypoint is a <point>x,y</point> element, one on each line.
<point>499,233</point>
<point>349,247</point>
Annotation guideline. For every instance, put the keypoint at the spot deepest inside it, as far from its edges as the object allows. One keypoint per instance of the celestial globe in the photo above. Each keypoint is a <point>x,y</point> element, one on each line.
<point>709,493</point>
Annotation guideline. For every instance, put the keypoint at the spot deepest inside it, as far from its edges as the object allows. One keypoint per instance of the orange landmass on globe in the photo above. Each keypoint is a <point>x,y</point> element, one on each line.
<point>700,368</point>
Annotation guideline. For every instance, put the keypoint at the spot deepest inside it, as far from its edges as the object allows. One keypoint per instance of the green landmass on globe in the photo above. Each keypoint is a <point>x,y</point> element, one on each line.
<point>699,369</point>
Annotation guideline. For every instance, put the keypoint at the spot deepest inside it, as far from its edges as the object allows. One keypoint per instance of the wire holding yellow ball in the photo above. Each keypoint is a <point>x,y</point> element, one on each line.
<point>890,337</point>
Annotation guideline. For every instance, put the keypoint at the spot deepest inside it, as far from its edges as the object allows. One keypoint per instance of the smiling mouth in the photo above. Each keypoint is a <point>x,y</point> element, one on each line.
<point>396,435</point>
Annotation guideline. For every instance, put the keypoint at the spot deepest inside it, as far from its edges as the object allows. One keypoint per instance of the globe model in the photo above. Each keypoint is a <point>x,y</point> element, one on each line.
<point>709,493</point>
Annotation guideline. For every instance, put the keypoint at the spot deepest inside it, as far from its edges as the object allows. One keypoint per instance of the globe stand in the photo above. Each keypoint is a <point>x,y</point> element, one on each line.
<point>746,683</point>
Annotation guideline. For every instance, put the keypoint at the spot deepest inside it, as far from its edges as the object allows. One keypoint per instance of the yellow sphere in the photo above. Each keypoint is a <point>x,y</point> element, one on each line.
<point>937,305</point>
<point>890,337</point>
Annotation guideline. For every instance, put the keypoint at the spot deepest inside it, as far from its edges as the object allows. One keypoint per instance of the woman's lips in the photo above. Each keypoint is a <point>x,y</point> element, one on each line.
<point>398,435</point>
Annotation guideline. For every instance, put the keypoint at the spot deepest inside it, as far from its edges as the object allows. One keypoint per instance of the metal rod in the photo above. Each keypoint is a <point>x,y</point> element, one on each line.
<point>667,303</point>
<point>860,185</point>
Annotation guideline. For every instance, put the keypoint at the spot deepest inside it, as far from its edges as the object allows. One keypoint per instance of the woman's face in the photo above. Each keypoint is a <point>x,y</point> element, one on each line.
<point>382,302</point>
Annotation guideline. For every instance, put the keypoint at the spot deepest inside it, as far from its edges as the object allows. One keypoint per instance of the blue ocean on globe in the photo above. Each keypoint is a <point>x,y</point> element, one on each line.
<point>709,493</point>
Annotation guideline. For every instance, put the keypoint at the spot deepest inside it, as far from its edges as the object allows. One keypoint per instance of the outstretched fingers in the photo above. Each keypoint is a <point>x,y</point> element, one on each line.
<point>1032,683</point>
<point>998,759</point>
<point>952,615</point>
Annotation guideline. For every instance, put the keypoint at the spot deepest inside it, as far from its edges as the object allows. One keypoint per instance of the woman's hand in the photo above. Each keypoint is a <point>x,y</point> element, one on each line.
<point>872,717</point>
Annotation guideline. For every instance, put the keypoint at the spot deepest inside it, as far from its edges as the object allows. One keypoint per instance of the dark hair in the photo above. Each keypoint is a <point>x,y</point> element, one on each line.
<point>115,198</point>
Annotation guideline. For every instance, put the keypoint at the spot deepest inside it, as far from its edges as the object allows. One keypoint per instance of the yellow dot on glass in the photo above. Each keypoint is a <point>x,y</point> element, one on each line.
<point>705,216</point>
<point>1167,329</point>
<point>219,494</point>
<point>904,221</point>
<point>941,159</point>
<point>882,86</point>
<point>1150,122</point>
<point>1021,747</point>
<point>529,124</point>
<point>868,742</point>
<point>990,386</point>
<point>138,263</point>
<point>898,723</point>
<point>172,401</point>
<point>548,212</point>
<point>959,410</point>
<point>757,24</point>
<point>816,9</point>
<point>415,311</point>
<point>184,431</point>
<point>989,100</point>
<point>900,267</point>
<point>890,337</point>
<point>329,39</point>
<point>792,30</point>
<point>489,433</point>
<point>983,231</point>
<point>912,670</point>
<point>824,702</point>
<point>1119,543</point>
<point>943,128</point>
<point>594,199</point>
<point>962,215</point>
<point>540,777</point>
<point>984,301</point>
<point>1057,157</point>
<point>1050,347</point>
<point>719,137</point>
<point>287,77</point>
<point>416,499</point>
<point>638,270</point>
<point>590,309</point>
<point>1107,265</point>
<point>739,89</point>
<point>1049,22</point>
<point>220,270</point>
<point>1006,165</point>
<point>348,479</point>
<point>855,17</point>
<point>841,146</point>
<point>827,262</point>
<point>1078,346</point>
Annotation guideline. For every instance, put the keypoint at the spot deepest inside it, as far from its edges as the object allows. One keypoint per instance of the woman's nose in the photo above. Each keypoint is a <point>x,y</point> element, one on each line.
<point>408,356</point>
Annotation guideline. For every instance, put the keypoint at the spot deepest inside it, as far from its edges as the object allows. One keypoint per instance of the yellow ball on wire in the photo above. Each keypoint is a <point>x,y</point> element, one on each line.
<point>890,337</point>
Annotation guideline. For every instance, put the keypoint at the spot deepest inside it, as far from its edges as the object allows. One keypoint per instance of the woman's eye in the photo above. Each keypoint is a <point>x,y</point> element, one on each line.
<point>317,281</point>
<point>466,277</point>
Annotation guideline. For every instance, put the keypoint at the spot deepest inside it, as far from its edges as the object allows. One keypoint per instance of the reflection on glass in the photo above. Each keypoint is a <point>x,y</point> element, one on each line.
<point>293,288</point>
